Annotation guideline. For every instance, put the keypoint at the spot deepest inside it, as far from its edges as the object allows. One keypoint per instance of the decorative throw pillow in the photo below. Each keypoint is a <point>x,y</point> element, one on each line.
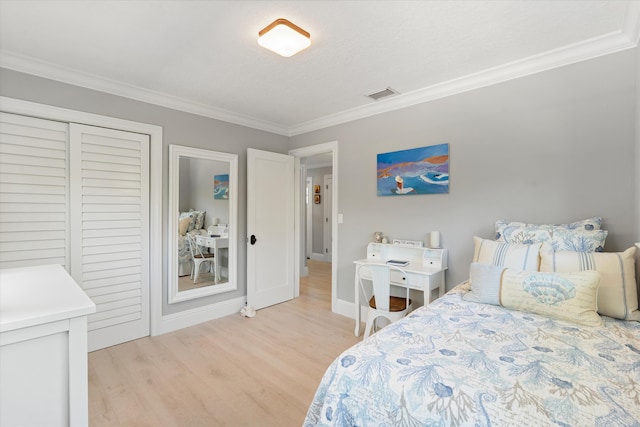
<point>183,226</point>
<point>521,257</point>
<point>199,219</point>
<point>578,240</point>
<point>584,235</point>
<point>188,215</point>
<point>568,296</point>
<point>523,234</point>
<point>617,295</point>
<point>588,224</point>
<point>485,283</point>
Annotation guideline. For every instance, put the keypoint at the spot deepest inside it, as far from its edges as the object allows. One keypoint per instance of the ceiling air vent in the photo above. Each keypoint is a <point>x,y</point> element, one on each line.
<point>382,94</point>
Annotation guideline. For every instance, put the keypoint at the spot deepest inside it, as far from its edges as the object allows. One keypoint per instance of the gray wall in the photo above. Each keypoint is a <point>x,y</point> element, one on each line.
<point>198,191</point>
<point>178,128</point>
<point>553,147</point>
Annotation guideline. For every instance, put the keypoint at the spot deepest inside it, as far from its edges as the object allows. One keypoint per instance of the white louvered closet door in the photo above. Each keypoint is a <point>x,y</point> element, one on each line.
<point>109,213</point>
<point>33,192</point>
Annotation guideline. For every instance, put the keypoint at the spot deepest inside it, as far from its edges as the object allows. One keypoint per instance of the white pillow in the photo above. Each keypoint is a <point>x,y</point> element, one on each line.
<point>520,257</point>
<point>568,296</point>
<point>183,225</point>
<point>617,295</point>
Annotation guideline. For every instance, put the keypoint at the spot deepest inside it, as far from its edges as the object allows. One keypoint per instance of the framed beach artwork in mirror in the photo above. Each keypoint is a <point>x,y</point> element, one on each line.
<point>221,187</point>
<point>423,170</point>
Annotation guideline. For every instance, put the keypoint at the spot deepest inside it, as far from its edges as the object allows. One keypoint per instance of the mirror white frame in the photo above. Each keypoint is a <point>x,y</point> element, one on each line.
<point>175,153</point>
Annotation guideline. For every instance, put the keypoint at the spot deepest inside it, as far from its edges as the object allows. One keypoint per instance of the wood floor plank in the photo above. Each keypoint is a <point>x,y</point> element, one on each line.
<point>232,371</point>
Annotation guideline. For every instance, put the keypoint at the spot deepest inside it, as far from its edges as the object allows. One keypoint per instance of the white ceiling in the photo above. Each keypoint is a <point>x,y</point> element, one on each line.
<point>202,56</point>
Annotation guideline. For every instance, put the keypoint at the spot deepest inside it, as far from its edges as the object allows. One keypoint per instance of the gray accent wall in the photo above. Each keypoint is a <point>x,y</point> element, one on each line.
<point>179,128</point>
<point>553,147</point>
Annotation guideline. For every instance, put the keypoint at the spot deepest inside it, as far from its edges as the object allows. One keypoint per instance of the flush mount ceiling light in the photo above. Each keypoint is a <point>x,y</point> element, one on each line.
<point>284,38</point>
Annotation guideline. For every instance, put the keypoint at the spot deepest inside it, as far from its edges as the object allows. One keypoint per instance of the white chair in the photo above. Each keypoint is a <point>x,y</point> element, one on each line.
<point>381,303</point>
<point>198,258</point>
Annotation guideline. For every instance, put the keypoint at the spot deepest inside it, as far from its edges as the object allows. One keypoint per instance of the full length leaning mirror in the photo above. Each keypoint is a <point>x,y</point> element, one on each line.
<point>203,203</point>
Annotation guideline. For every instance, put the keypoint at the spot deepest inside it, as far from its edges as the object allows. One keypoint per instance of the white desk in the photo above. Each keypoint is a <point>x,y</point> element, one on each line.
<point>425,271</point>
<point>215,243</point>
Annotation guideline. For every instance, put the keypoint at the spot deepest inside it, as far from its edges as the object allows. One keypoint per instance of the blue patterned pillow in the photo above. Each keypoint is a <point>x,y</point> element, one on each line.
<point>584,235</point>
<point>199,219</point>
<point>588,224</point>
<point>578,240</point>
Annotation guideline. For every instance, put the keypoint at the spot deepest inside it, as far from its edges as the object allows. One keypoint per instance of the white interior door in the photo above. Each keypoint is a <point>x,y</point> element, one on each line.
<point>270,228</point>
<point>109,209</point>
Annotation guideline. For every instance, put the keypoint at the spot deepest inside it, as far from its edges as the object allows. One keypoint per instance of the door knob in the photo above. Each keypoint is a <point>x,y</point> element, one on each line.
<point>253,239</point>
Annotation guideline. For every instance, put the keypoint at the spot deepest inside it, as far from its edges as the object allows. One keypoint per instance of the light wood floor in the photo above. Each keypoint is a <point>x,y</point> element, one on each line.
<point>231,371</point>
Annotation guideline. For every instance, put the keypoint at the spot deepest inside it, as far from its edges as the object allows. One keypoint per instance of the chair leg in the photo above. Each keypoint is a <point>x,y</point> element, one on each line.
<point>196,268</point>
<point>367,329</point>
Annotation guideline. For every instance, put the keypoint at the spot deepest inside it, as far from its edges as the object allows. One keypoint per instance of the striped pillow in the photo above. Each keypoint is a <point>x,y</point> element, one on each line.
<point>520,257</point>
<point>617,295</point>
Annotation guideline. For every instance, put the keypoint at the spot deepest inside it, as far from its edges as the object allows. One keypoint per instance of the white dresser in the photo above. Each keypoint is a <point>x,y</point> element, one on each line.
<point>43,348</point>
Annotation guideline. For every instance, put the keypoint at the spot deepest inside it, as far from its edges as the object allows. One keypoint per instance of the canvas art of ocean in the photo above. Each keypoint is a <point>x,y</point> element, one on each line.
<point>422,170</point>
<point>221,187</point>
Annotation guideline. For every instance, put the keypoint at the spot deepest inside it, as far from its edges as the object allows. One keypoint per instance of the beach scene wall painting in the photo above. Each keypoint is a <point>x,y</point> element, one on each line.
<point>221,187</point>
<point>422,170</point>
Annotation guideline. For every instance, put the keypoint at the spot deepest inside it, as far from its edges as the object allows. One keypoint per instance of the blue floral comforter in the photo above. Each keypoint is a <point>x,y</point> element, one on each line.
<point>457,363</point>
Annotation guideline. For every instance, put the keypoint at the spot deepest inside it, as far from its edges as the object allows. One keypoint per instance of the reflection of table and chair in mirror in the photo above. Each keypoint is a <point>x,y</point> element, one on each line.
<point>203,209</point>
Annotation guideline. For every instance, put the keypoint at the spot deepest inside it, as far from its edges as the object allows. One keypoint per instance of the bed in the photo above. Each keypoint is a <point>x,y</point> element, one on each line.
<point>468,360</point>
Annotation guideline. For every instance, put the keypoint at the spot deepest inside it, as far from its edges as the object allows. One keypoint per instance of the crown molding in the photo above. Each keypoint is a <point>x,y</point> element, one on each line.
<point>627,38</point>
<point>582,51</point>
<point>24,64</point>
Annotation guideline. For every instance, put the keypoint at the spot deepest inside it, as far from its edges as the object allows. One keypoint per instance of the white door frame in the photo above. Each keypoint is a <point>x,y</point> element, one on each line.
<point>326,231</point>
<point>27,108</point>
<point>327,147</point>
<point>309,221</point>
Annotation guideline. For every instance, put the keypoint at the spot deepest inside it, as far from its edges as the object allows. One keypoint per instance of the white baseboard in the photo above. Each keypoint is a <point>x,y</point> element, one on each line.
<point>184,319</point>
<point>345,308</point>
<point>317,257</point>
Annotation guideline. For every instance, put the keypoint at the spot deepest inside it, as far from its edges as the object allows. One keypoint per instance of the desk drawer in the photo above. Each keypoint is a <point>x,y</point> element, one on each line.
<point>410,280</point>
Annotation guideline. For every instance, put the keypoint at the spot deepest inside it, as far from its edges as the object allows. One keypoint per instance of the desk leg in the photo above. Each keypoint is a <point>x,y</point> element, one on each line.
<point>357,304</point>
<point>216,261</point>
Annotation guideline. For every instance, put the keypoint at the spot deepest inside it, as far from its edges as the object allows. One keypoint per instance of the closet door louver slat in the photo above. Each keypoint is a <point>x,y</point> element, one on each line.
<point>33,192</point>
<point>110,205</point>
